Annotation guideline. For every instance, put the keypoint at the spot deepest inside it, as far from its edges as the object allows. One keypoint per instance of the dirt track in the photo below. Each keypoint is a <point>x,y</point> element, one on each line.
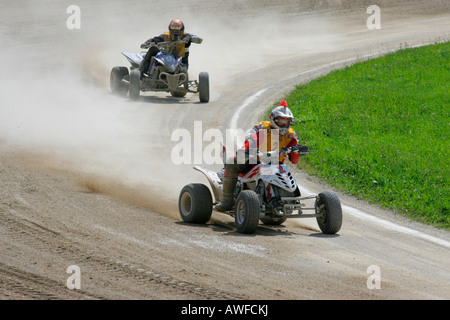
<point>87,178</point>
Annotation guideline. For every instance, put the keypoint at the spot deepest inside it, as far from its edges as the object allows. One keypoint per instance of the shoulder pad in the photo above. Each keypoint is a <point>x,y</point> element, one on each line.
<point>265,124</point>
<point>291,132</point>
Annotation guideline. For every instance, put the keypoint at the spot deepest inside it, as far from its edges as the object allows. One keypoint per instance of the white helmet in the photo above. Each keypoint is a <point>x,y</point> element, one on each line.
<point>281,118</point>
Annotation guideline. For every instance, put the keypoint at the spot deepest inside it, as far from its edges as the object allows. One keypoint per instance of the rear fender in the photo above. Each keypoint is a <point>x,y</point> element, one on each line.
<point>134,58</point>
<point>214,181</point>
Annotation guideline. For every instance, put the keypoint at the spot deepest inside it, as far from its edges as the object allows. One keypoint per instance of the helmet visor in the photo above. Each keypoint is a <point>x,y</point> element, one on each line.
<point>283,122</point>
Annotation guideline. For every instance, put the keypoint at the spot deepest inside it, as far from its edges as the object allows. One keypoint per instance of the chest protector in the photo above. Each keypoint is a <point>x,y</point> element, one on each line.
<point>269,140</point>
<point>180,48</point>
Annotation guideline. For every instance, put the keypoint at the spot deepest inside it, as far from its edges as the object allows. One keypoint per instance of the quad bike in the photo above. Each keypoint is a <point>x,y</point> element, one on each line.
<point>166,73</point>
<point>267,192</point>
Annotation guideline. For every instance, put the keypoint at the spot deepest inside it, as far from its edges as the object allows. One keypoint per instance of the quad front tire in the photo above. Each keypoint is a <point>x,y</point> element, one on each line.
<point>203,86</point>
<point>247,212</point>
<point>135,84</point>
<point>329,207</point>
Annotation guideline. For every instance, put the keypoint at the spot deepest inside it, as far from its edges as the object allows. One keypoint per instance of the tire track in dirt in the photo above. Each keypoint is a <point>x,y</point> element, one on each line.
<point>18,284</point>
<point>105,277</point>
<point>47,223</point>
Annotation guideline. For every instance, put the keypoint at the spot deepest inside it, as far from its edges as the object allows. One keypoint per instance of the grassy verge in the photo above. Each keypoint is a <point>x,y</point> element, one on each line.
<point>380,130</point>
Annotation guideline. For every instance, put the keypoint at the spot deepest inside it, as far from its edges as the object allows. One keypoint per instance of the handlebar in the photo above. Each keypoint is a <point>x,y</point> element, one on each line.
<point>164,46</point>
<point>302,150</point>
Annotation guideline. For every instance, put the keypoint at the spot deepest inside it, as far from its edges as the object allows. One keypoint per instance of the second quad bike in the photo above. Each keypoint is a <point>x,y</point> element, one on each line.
<point>166,73</point>
<point>267,193</point>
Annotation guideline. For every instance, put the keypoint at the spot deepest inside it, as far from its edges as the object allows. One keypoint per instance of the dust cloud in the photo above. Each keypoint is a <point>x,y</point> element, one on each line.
<point>55,100</point>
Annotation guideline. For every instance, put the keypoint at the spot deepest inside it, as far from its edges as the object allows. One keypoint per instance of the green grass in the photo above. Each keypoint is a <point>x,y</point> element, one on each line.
<point>379,130</point>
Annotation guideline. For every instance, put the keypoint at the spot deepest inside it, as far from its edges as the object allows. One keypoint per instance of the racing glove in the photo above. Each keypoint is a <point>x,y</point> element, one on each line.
<point>304,150</point>
<point>296,151</point>
<point>186,39</point>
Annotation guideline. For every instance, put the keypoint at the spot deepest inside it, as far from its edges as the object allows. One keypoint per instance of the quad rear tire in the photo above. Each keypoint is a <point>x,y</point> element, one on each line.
<point>329,206</point>
<point>115,81</point>
<point>247,212</point>
<point>195,203</point>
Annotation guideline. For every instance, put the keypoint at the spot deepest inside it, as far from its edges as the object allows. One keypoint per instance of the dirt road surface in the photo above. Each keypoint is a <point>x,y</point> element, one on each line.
<point>89,179</point>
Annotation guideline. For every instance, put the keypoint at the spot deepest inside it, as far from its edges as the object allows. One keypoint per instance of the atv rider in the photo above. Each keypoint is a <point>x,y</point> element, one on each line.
<point>261,137</point>
<point>176,33</point>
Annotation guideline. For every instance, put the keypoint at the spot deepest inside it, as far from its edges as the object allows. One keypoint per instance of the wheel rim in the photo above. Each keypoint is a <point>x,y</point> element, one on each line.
<point>186,204</point>
<point>322,211</point>
<point>240,212</point>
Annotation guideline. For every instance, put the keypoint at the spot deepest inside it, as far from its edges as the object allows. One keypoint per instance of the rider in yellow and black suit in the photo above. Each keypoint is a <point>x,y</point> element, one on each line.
<point>176,32</point>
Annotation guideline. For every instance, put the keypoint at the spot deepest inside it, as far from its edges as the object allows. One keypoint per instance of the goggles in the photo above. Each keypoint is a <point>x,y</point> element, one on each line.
<point>283,122</point>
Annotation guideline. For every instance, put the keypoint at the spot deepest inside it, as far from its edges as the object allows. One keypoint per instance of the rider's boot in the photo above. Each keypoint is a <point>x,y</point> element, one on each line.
<point>145,63</point>
<point>144,67</point>
<point>226,203</point>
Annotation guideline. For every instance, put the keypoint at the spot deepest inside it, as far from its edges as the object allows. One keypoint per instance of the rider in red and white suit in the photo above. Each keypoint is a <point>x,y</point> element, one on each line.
<point>263,137</point>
